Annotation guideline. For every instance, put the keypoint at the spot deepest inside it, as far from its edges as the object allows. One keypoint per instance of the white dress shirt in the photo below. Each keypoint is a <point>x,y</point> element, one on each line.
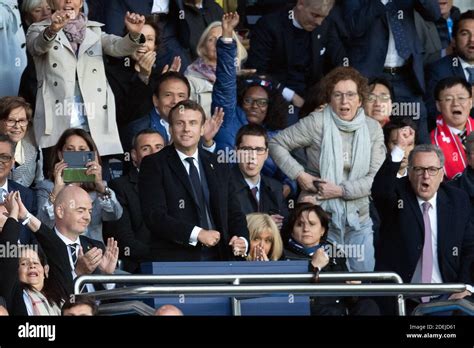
<point>392,59</point>
<point>433,214</point>
<point>252,185</point>
<point>464,66</point>
<point>160,6</point>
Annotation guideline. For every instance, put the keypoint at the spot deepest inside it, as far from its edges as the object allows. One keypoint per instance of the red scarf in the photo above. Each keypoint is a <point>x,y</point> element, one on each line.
<point>451,146</point>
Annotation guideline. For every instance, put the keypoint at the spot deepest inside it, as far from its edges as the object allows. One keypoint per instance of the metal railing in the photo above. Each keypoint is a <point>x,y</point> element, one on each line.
<point>236,288</point>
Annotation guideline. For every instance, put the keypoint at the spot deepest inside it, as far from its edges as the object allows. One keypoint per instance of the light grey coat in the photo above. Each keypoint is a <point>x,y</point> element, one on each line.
<point>308,133</point>
<point>56,68</point>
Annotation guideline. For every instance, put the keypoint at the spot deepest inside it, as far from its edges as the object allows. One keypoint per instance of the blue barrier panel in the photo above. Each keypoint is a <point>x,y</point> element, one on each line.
<point>284,304</point>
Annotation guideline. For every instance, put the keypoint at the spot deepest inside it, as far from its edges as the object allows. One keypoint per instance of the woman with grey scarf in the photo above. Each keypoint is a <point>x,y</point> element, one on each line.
<point>344,149</point>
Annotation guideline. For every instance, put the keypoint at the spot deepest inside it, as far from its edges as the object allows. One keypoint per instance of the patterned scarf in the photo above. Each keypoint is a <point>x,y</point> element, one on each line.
<point>200,67</point>
<point>40,303</point>
<point>451,146</point>
<point>301,249</point>
<point>75,31</point>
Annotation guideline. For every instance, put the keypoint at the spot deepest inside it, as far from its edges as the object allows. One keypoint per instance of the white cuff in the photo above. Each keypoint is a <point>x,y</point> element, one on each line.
<point>246,245</point>
<point>397,154</point>
<point>211,148</point>
<point>227,40</point>
<point>288,94</point>
<point>193,238</point>
<point>470,288</point>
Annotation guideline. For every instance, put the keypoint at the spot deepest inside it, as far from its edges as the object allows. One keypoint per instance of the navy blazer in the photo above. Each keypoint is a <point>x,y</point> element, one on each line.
<point>367,25</point>
<point>448,66</point>
<point>28,197</point>
<point>133,128</point>
<point>171,212</point>
<point>402,228</point>
<point>271,51</point>
<point>271,195</point>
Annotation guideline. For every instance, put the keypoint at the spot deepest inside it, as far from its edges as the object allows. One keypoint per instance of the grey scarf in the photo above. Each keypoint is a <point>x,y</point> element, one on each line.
<point>332,164</point>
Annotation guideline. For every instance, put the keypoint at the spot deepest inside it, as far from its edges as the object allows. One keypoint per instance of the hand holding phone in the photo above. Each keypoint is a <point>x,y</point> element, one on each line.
<point>76,170</point>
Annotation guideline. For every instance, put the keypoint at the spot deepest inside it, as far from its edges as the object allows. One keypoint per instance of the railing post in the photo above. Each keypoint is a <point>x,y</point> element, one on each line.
<point>236,309</point>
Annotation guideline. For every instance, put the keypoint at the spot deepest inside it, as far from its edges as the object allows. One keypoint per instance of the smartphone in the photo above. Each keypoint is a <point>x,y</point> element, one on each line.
<point>76,170</point>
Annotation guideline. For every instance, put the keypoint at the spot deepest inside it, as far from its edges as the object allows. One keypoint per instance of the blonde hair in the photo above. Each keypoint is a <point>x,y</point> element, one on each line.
<point>258,223</point>
<point>241,51</point>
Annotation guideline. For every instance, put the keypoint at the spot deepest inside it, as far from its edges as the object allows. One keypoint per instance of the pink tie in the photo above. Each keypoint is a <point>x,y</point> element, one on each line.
<point>427,257</point>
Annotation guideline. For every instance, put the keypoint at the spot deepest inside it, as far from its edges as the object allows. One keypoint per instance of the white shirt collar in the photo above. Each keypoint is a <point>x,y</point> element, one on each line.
<point>432,201</point>
<point>465,64</point>
<point>252,185</point>
<point>5,185</point>
<point>296,23</point>
<point>65,239</point>
<point>455,130</point>
<point>183,156</point>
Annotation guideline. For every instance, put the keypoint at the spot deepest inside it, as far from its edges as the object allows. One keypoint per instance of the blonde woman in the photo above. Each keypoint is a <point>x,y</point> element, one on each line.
<point>265,240</point>
<point>202,72</point>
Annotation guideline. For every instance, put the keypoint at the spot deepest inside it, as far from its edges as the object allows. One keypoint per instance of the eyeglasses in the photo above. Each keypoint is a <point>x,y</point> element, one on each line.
<point>5,159</point>
<point>12,123</point>
<point>262,102</point>
<point>450,98</point>
<point>348,95</point>
<point>383,98</point>
<point>258,150</point>
<point>432,171</point>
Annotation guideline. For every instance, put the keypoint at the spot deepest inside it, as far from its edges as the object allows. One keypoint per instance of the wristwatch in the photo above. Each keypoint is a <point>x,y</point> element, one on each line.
<point>107,193</point>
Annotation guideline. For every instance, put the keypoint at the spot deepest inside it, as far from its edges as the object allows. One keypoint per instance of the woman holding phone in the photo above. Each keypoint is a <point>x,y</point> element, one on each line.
<point>105,206</point>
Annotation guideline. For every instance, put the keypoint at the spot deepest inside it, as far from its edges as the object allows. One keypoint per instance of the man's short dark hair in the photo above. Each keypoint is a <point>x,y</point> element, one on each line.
<point>144,131</point>
<point>171,75</point>
<point>384,82</point>
<point>5,139</point>
<point>251,129</point>
<point>187,105</point>
<point>79,300</point>
<point>449,82</point>
<point>468,15</point>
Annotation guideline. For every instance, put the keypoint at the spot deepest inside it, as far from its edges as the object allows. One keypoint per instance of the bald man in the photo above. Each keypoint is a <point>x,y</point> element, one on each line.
<point>168,310</point>
<point>70,254</point>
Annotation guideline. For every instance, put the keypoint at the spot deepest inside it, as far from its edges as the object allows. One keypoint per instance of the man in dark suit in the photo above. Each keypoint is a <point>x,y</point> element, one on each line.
<point>188,198</point>
<point>7,160</point>
<point>383,42</point>
<point>254,191</point>
<point>290,45</point>
<point>130,231</point>
<point>419,208</point>
<point>460,64</point>
<point>71,254</point>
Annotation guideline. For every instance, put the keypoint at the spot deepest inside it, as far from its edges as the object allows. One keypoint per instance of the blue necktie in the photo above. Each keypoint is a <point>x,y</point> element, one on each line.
<point>398,31</point>
<point>470,70</point>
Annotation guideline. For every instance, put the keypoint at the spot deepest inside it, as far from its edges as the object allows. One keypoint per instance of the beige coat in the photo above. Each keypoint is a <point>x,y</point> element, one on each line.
<point>56,68</point>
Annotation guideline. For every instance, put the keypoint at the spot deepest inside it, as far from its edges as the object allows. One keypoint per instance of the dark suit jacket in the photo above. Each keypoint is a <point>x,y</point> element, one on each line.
<point>271,195</point>
<point>271,50</point>
<point>402,229</point>
<point>142,123</point>
<point>130,230</point>
<point>58,257</point>
<point>28,198</point>
<point>170,211</point>
<point>448,66</point>
<point>367,25</point>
